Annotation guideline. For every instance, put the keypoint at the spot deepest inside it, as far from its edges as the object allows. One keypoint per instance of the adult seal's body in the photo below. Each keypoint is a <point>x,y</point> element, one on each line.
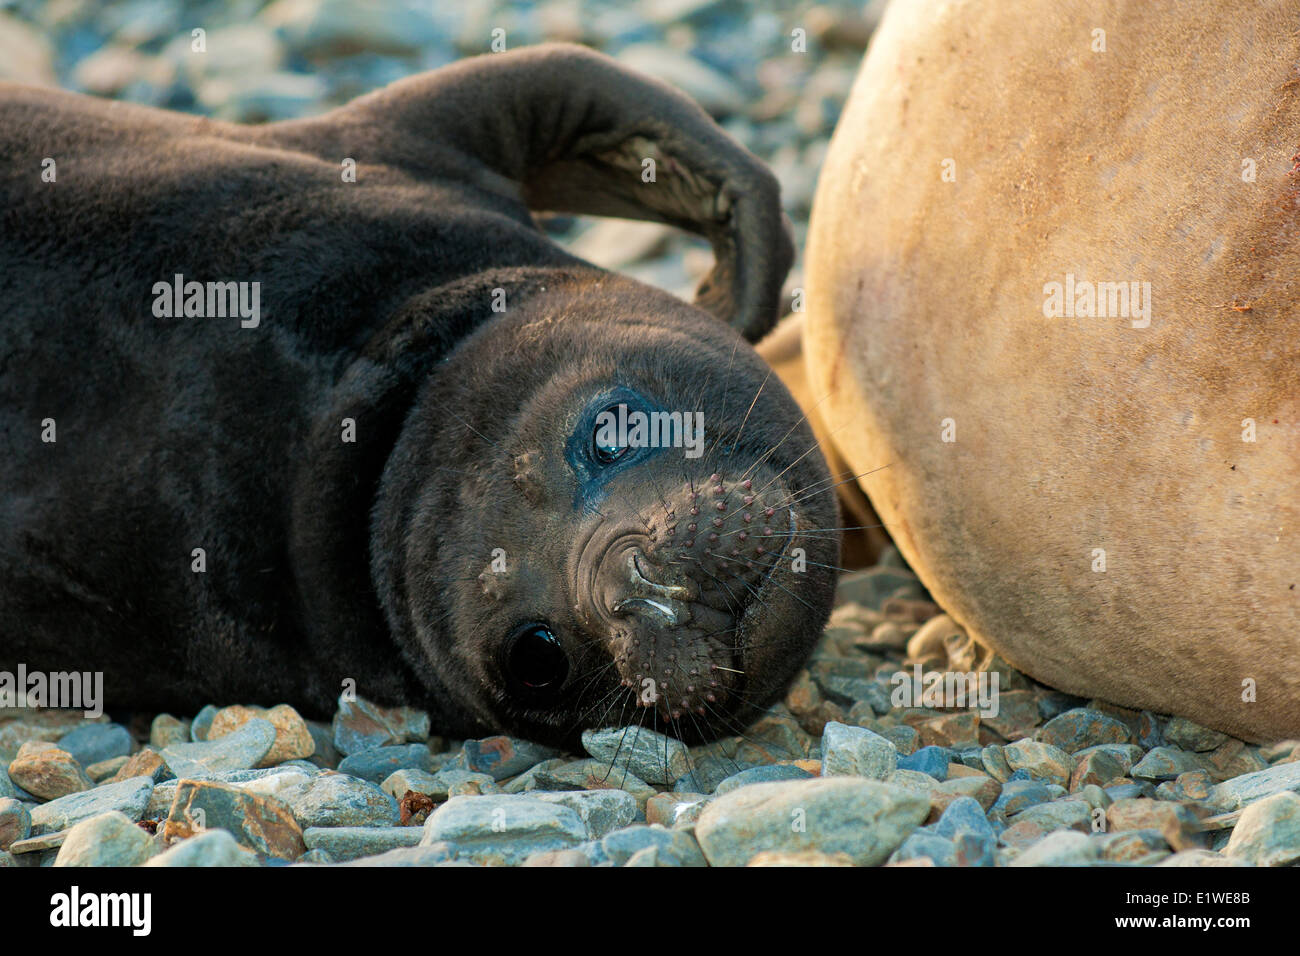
<point>391,471</point>
<point>1053,299</point>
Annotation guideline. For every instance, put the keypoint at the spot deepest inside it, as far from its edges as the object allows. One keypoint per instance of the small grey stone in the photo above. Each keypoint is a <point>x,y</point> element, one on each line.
<point>1165,763</point>
<point>527,781</point>
<point>768,773</point>
<point>1268,833</point>
<point>1252,787</point>
<point>325,754</point>
<point>39,843</point>
<point>167,730</point>
<point>504,828</point>
<point>592,774</point>
<point>15,822</point>
<point>1183,733</point>
<point>602,811</point>
<point>350,843</point>
<point>338,800</point>
<point>376,764</point>
<point>856,751</point>
<point>429,855</point>
<point>107,839</point>
<point>650,756</point>
<point>1058,815</point>
<point>1044,761</point>
<point>207,848</point>
<point>616,848</point>
<point>92,743</point>
<point>240,749</point>
<point>131,796</point>
<point>1061,848</point>
<point>202,722</point>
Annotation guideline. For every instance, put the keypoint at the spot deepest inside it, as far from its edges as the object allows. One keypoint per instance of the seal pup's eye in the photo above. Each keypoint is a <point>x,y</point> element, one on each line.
<point>607,444</point>
<point>535,660</point>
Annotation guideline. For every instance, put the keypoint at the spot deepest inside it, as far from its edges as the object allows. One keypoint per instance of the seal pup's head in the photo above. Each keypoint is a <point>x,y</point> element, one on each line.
<point>600,506</point>
<point>557,572</point>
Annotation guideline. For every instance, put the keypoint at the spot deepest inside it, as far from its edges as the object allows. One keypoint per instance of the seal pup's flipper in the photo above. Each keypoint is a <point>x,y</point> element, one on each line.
<point>561,128</point>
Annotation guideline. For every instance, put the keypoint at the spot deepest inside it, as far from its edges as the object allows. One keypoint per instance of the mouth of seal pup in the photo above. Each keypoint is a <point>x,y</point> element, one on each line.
<point>548,579</point>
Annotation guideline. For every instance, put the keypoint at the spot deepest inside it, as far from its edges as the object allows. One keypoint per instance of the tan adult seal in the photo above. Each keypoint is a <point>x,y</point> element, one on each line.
<point>1128,143</point>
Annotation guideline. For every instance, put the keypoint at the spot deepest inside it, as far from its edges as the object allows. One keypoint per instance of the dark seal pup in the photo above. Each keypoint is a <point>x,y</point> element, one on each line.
<point>376,456</point>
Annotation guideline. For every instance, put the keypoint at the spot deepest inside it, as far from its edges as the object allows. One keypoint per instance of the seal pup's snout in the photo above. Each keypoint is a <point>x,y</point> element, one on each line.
<point>673,588</point>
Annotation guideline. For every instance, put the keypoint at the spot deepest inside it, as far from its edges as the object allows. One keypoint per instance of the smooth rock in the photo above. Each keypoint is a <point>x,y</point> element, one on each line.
<point>856,751</point>
<point>202,721</point>
<point>107,839</point>
<point>1062,848</point>
<point>293,741</point>
<point>108,769</point>
<point>1245,790</point>
<point>1080,727</point>
<point>500,757</point>
<point>1178,825</point>
<point>95,742</point>
<point>145,762</point>
<point>1183,733</point>
<point>1018,795</point>
<point>862,818</point>
<point>932,761</point>
<point>648,755</point>
<point>207,848</point>
<point>592,774</point>
<point>360,725</point>
<point>167,730</point>
<point>601,811</point>
<point>338,800</point>
<point>504,829</point>
<point>1041,760</point>
<point>350,843</point>
<point>377,764</point>
<point>1268,833</point>
<point>130,796</point>
<point>258,822</point>
<point>764,774</point>
<point>15,822</point>
<point>47,771</point>
<point>240,749</point>
<point>1165,763</point>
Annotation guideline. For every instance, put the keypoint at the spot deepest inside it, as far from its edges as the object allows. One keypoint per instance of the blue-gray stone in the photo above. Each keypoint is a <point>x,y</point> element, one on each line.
<point>240,749</point>
<point>378,763</point>
<point>339,800</point>
<point>202,723</point>
<point>502,756</point>
<point>932,760</point>
<point>1018,794</point>
<point>766,773</point>
<point>650,756</point>
<point>503,828</point>
<point>130,796</point>
<point>92,743</point>
<point>618,847</point>
<point>963,815</point>
<point>350,843</point>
